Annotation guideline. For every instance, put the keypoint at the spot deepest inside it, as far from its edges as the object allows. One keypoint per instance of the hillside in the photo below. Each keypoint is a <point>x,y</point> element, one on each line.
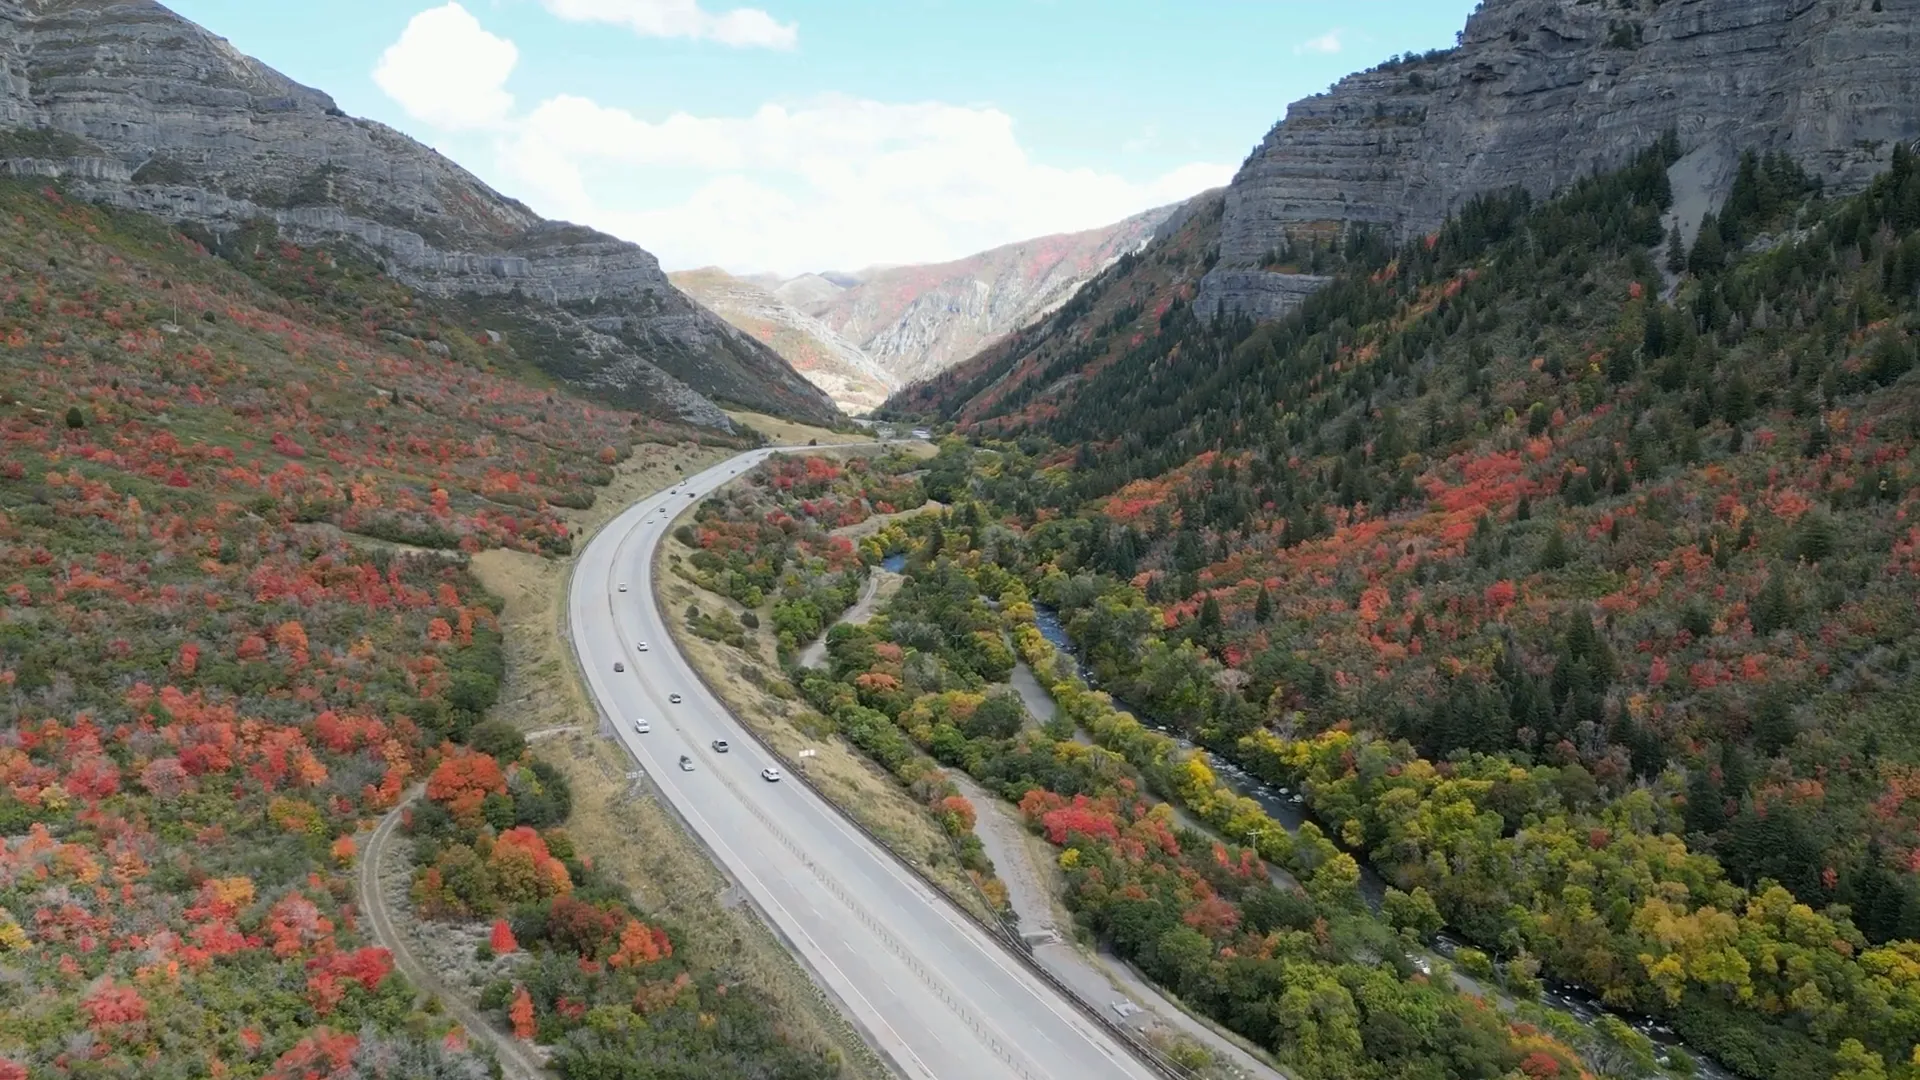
<point>135,107</point>
<point>852,379</point>
<point>1541,92</point>
<point>238,624</point>
<point>1568,576</point>
<point>916,321</point>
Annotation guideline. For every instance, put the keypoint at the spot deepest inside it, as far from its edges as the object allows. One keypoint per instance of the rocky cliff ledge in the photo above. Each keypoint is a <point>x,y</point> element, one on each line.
<point>1541,91</point>
<point>130,104</point>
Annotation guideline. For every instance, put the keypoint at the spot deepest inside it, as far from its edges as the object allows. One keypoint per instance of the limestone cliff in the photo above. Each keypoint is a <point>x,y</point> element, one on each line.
<point>1541,91</point>
<point>133,105</point>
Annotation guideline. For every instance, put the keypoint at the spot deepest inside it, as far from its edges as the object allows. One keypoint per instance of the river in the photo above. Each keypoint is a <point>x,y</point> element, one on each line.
<point>1290,810</point>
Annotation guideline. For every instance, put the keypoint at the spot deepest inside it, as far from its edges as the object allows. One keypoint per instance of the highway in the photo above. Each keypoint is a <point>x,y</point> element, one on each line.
<point>931,991</point>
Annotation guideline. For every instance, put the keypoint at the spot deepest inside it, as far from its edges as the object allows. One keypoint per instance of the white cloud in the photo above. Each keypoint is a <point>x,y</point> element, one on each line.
<point>837,183</point>
<point>739,27</point>
<point>448,71</point>
<point>1328,42</point>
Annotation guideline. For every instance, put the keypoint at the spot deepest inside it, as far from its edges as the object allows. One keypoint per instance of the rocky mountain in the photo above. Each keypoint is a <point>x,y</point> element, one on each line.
<point>915,321</point>
<point>834,364</point>
<point>131,105</point>
<point>1027,374</point>
<point>1540,92</point>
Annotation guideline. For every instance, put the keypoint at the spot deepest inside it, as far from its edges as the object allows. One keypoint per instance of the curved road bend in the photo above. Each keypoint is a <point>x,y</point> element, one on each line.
<point>932,991</point>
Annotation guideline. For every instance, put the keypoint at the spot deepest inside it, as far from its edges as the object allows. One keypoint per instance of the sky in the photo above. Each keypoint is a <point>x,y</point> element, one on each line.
<point>808,135</point>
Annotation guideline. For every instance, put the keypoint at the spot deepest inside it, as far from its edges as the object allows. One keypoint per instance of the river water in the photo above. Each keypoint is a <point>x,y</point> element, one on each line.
<point>1290,810</point>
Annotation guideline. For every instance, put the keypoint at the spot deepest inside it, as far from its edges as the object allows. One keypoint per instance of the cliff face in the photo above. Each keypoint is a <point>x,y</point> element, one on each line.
<point>135,106</point>
<point>917,321</point>
<point>1541,91</point>
<point>831,362</point>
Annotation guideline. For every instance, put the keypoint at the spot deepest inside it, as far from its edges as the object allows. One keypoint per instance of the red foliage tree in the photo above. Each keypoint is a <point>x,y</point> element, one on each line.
<point>521,1013</point>
<point>110,1006</point>
<point>502,941</point>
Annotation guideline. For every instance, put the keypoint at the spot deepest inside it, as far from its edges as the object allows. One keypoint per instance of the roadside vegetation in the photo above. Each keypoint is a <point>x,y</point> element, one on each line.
<point>757,574</point>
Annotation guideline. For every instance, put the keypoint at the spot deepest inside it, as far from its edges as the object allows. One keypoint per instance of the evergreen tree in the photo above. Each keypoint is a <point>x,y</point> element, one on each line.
<point>1555,554</point>
<point>1773,726</point>
<point>1263,607</point>
<point>1773,608</point>
<point>1706,810</point>
<point>1709,255</point>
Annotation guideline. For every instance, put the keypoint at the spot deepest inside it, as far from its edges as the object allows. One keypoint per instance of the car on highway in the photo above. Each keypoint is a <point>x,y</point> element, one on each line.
<point>642,646</point>
<point>618,666</point>
<point>673,699</point>
<point>719,746</point>
<point>623,586</point>
<point>686,763</point>
<point>693,494</point>
<point>642,726</point>
<point>771,776</point>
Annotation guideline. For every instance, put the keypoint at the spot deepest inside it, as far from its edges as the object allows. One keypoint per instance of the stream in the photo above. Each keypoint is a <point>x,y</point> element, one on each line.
<point>1290,810</point>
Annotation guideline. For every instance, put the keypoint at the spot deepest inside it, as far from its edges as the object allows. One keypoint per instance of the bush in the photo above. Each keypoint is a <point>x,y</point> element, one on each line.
<point>498,739</point>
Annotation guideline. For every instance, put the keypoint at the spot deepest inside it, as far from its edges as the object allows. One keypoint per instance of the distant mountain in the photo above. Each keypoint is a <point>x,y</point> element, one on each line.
<point>130,104</point>
<point>833,363</point>
<point>861,335</point>
<point>916,321</point>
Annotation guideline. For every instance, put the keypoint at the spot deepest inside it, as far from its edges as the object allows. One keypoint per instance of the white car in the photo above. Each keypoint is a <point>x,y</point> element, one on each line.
<point>673,699</point>
<point>770,775</point>
<point>623,586</point>
<point>642,726</point>
<point>642,646</point>
<point>719,746</point>
<point>618,666</point>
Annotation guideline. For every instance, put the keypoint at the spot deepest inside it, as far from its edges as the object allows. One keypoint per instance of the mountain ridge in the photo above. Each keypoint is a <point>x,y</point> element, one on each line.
<point>862,335</point>
<point>1541,92</point>
<point>132,105</point>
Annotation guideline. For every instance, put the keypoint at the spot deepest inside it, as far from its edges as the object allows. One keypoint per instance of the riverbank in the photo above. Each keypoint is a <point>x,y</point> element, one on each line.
<point>1289,810</point>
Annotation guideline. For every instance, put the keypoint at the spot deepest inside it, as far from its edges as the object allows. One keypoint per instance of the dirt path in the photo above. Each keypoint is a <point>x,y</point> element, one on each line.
<point>1100,983</point>
<point>516,1061</point>
<point>862,610</point>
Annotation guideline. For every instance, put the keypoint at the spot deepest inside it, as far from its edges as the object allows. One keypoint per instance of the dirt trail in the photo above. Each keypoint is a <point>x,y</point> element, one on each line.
<point>1100,984</point>
<point>516,1060</point>
<point>861,611</point>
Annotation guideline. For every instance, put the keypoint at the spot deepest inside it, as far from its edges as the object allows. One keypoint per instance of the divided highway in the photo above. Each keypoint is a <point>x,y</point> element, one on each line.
<point>932,991</point>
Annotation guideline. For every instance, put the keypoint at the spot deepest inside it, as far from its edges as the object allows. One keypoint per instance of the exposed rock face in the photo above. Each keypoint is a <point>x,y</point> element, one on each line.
<point>1541,91</point>
<point>833,363</point>
<point>916,321</point>
<point>135,106</point>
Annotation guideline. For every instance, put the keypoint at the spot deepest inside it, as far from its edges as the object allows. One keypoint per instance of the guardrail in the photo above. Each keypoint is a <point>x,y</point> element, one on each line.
<point>1021,950</point>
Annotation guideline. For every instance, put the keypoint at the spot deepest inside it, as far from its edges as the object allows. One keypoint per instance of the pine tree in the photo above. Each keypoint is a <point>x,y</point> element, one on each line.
<point>1773,608</point>
<point>1773,726</point>
<point>1676,252</point>
<point>1263,607</point>
<point>1709,254</point>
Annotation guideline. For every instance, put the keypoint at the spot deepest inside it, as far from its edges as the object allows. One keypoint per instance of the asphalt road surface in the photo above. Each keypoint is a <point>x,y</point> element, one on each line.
<point>933,992</point>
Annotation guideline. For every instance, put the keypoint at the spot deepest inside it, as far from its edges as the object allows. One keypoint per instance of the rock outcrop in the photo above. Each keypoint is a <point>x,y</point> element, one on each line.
<point>1540,91</point>
<point>854,381</point>
<point>132,105</point>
